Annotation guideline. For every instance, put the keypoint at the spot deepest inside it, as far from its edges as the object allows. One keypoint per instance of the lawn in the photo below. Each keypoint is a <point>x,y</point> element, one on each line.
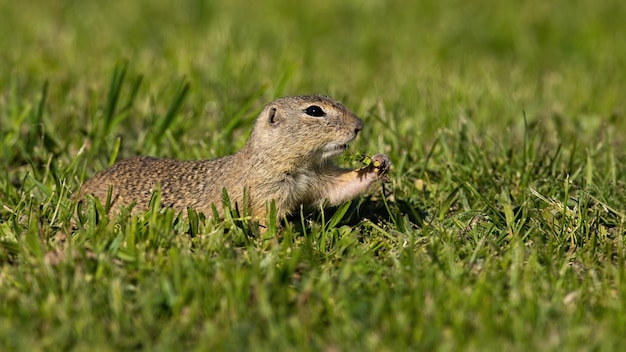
<point>502,226</point>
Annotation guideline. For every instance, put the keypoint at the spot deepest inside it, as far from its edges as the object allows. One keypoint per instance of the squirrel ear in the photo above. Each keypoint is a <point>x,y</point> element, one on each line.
<point>273,117</point>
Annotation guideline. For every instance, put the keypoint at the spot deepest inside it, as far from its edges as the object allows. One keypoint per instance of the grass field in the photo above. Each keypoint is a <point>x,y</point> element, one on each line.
<point>502,227</point>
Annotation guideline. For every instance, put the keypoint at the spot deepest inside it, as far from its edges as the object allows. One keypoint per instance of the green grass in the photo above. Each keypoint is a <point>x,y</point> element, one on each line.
<point>502,226</point>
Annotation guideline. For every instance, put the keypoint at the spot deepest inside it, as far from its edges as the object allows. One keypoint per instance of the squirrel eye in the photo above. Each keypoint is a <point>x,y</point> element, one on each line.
<point>314,110</point>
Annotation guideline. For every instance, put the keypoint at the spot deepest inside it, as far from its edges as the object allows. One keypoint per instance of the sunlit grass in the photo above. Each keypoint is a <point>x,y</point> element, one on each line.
<point>502,226</point>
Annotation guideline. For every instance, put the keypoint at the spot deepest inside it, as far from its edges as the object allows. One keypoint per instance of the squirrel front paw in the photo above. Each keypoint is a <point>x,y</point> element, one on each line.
<point>380,165</point>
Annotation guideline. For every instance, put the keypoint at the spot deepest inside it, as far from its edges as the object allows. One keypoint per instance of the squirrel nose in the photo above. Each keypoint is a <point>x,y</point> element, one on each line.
<point>359,125</point>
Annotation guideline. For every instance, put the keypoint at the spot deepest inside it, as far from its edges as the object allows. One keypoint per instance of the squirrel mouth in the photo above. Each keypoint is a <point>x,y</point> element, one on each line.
<point>334,149</point>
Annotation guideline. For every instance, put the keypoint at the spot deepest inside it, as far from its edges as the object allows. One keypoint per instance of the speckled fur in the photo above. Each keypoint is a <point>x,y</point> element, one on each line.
<point>288,159</point>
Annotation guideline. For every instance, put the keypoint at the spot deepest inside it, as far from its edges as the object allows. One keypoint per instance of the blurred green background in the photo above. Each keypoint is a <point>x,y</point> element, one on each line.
<point>435,61</point>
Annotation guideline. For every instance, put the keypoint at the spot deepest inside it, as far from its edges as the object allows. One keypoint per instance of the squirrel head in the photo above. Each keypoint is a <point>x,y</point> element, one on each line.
<point>304,129</point>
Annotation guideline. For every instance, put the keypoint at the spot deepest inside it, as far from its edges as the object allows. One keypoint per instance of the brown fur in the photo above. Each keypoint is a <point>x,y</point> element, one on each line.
<point>288,159</point>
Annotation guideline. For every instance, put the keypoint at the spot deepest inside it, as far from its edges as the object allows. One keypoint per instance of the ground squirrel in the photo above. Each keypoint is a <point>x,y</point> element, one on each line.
<point>287,159</point>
